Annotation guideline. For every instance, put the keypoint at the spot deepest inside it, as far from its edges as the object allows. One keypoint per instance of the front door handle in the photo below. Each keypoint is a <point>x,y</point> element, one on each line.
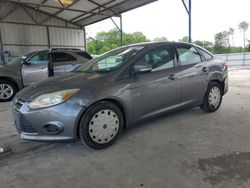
<point>171,77</point>
<point>204,69</point>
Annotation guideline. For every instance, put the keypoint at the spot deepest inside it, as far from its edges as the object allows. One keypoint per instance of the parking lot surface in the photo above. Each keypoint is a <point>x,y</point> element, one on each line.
<point>187,149</point>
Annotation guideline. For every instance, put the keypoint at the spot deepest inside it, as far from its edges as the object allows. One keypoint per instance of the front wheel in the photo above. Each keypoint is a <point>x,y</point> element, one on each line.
<point>7,90</point>
<point>101,125</point>
<point>213,98</point>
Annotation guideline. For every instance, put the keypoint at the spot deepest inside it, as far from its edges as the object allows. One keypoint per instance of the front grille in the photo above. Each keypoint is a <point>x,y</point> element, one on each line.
<point>23,125</point>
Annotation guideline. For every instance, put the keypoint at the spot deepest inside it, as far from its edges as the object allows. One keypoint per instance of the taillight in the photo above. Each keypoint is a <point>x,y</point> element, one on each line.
<point>224,63</point>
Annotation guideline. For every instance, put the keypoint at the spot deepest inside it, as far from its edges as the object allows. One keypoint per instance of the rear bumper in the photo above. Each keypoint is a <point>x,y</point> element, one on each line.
<point>226,85</point>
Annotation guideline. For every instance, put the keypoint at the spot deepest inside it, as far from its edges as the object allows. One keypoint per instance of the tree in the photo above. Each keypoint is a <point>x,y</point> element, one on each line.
<point>221,41</point>
<point>244,27</point>
<point>231,33</point>
<point>184,39</point>
<point>105,41</point>
<point>205,44</point>
<point>160,39</point>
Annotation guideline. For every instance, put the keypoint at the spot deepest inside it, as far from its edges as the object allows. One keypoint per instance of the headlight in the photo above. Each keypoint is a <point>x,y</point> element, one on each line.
<point>51,99</point>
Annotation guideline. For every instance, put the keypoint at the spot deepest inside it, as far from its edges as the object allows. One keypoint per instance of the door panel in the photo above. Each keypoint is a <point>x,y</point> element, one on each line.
<point>58,68</point>
<point>159,89</point>
<point>193,75</point>
<point>193,81</point>
<point>63,67</point>
<point>63,62</point>
<point>35,68</point>
<point>154,92</point>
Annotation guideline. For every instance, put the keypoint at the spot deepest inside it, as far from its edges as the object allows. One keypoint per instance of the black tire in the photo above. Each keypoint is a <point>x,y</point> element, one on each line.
<point>12,86</point>
<point>84,130</point>
<point>206,106</point>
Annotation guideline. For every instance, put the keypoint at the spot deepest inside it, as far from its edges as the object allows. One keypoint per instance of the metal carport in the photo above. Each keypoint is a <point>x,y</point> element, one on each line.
<point>27,25</point>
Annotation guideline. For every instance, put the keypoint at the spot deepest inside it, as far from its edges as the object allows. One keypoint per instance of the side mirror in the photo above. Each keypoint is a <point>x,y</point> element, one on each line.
<point>140,69</point>
<point>26,62</point>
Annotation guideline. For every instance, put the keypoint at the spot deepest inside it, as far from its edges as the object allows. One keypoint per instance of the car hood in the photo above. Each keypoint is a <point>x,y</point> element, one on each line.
<point>15,67</point>
<point>58,83</point>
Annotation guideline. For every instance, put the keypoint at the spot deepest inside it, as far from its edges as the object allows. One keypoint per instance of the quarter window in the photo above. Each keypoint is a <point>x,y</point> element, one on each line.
<point>160,59</point>
<point>188,55</point>
<point>62,57</point>
<point>206,54</point>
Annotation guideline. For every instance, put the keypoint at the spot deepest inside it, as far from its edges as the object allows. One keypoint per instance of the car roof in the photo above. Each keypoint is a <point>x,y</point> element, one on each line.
<point>66,49</point>
<point>55,50</point>
<point>145,44</point>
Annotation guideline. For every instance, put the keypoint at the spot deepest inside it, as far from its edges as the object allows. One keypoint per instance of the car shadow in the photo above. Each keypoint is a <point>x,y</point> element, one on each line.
<point>157,120</point>
<point>16,148</point>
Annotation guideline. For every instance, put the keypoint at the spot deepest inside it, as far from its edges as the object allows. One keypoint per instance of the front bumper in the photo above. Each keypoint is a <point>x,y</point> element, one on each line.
<point>31,124</point>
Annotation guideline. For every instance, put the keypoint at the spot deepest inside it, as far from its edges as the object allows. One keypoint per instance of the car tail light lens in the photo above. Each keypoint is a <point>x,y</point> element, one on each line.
<point>225,66</point>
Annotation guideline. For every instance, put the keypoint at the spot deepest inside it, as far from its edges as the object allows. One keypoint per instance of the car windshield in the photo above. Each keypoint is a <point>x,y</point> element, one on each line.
<point>16,60</point>
<point>20,58</point>
<point>110,61</point>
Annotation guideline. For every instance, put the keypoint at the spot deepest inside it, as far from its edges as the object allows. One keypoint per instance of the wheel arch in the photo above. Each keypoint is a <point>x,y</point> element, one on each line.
<point>221,83</point>
<point>10,80</point>
<point>112,100</point>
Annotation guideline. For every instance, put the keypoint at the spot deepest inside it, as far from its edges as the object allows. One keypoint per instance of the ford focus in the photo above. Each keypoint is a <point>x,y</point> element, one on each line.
<point>97,101</point>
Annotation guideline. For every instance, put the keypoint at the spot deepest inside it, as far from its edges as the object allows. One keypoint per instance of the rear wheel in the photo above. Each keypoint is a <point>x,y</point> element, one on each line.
<point>7,90</point>
<point>101,125</point>
<point>213,97</point>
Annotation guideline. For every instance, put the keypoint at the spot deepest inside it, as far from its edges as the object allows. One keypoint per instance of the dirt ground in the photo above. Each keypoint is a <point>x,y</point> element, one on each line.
<point>188,149</point>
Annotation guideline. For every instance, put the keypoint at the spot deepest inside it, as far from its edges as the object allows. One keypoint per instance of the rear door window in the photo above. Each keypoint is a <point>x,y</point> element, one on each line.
<point>188,55</point>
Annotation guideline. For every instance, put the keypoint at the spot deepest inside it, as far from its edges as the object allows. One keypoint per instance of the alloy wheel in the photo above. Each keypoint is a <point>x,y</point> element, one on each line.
<point>6,91</point>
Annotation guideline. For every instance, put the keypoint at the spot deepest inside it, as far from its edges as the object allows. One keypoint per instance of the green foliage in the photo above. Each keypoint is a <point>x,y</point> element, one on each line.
<point>221,39</point>
<point>160,39</point>
<point>105,41</point>
<point>248,47</point>
<point>224,50</point>
<point>184,39</point>
<point>243,26</point>
<point>205,44</point>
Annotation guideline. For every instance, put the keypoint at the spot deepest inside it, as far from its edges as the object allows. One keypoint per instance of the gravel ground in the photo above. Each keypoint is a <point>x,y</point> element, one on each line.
<point>186,149</point>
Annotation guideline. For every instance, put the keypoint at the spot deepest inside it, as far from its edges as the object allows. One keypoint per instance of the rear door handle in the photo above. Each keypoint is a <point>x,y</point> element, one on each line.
<point>171,77</point>
<point>204,69</point>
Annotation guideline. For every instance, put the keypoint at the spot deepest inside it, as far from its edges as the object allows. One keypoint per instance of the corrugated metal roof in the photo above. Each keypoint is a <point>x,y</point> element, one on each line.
<point>82,12</point>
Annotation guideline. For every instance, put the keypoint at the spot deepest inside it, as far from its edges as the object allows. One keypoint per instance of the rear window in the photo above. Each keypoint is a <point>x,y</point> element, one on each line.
<point>84,54</point>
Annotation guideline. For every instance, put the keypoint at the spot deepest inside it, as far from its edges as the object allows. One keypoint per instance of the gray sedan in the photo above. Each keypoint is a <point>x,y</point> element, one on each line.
<point>99,100</point>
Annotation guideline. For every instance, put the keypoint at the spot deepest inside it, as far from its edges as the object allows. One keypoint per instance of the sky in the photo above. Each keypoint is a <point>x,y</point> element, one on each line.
<point>168,18</point>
